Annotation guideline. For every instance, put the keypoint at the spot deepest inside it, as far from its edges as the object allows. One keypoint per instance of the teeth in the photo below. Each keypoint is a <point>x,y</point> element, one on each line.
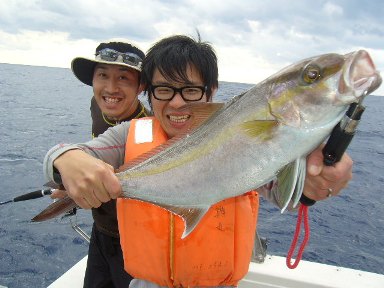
<point>179,119</point>
<point>111,100</point>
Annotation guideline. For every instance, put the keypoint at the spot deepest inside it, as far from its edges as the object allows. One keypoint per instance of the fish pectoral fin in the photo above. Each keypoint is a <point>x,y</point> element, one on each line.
<point>190,215</point>
<point>299,187</point>
<point>291,183</point>
<point>262,129</point>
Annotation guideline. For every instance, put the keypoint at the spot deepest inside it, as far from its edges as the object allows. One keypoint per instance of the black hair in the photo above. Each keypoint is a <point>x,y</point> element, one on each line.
<point>172,55</point>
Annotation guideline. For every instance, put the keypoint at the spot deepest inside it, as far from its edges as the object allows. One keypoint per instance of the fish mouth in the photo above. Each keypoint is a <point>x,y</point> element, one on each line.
<point>360,75</point>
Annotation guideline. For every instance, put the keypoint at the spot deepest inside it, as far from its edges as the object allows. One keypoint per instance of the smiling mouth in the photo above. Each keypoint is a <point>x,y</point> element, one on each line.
<point>111,100</point>
<point>179,119</point>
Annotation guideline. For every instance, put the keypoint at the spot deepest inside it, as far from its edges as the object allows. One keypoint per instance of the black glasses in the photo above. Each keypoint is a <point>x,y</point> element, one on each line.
<point>108,54</point>
<point>188,93</point>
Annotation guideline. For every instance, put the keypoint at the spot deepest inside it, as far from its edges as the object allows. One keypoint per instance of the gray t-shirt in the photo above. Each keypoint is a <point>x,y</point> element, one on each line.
<point>108,147</point>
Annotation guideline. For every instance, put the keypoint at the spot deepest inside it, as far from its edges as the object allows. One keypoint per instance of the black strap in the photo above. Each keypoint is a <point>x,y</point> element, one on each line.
<point>306,201</point>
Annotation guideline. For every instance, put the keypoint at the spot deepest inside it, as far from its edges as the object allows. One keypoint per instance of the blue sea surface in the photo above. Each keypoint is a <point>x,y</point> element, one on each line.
<point>41,106</point>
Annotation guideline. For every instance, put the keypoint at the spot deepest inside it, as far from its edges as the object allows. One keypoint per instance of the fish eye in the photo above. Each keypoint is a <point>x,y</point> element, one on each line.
<point>311,73</point>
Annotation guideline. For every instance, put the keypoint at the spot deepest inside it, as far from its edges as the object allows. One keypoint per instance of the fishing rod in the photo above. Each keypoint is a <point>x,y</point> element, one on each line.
<point>343,133</point>
<point>30,195</point>
<point>43,192</point>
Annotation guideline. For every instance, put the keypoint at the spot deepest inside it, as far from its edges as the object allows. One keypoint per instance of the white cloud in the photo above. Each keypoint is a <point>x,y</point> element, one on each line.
<point>43,48</point>
<point>332,9</point>
<point>253,39</point>
<point>237,65</point>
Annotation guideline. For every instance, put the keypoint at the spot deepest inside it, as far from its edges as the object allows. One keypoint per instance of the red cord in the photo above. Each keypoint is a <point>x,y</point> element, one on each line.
<point>302,214</point>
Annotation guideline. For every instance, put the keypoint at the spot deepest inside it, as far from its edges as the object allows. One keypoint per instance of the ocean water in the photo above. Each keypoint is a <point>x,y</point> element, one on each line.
<point>43,106</point>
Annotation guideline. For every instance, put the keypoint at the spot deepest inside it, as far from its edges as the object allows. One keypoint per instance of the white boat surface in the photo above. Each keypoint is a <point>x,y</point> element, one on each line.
<point>273,273</point>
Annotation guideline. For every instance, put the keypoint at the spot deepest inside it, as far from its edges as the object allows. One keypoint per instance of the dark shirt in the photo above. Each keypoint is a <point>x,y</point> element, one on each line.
<point>105,216</point>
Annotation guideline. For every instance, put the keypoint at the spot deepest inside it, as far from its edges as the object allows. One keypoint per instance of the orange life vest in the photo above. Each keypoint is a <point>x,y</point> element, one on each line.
<point>217,252</point>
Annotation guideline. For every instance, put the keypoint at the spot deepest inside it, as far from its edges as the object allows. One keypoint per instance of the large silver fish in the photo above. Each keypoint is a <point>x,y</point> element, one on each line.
<point>264,133</point>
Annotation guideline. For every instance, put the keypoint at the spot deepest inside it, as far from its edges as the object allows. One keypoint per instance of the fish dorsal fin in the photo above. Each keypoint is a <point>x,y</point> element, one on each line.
<point>190,215</point>
<point>290,183</point>
<point>262,129</point>
<point>201,111</point>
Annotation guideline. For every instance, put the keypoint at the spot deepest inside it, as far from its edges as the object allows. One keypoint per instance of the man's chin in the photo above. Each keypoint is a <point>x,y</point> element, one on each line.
<point>111,116</point>
<point>178,129</point>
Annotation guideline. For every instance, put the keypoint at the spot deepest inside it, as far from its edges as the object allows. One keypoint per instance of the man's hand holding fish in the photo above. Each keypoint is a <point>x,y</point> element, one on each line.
<point>320,177</point>
<point>88,181</point>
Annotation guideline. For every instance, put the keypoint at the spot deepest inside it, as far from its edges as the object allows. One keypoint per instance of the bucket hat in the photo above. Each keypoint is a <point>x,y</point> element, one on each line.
<point>115,53</point>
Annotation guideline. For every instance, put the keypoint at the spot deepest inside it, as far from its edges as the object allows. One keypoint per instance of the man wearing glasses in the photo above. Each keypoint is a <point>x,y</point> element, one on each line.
<point>114,75</point>
<point>176,70</point>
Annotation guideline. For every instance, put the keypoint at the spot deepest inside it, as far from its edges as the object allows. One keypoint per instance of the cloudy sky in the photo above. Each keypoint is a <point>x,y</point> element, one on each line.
<point>253,38</point>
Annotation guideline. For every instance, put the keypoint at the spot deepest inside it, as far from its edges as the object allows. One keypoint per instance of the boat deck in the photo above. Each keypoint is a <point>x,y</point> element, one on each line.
<point>273,273</point>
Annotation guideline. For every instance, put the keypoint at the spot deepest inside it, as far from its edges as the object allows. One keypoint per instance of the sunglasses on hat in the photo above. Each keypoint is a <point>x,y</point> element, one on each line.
<point>108,54</point>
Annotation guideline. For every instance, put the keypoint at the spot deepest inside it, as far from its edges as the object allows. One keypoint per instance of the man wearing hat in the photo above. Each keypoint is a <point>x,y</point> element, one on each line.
<point>114,75</point>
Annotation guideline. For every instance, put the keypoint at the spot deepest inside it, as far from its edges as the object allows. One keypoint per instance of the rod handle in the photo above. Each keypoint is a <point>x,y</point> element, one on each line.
<point>33,195</point>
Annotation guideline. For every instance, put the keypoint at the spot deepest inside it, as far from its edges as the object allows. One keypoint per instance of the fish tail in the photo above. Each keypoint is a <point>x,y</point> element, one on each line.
<point>55,209</point>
